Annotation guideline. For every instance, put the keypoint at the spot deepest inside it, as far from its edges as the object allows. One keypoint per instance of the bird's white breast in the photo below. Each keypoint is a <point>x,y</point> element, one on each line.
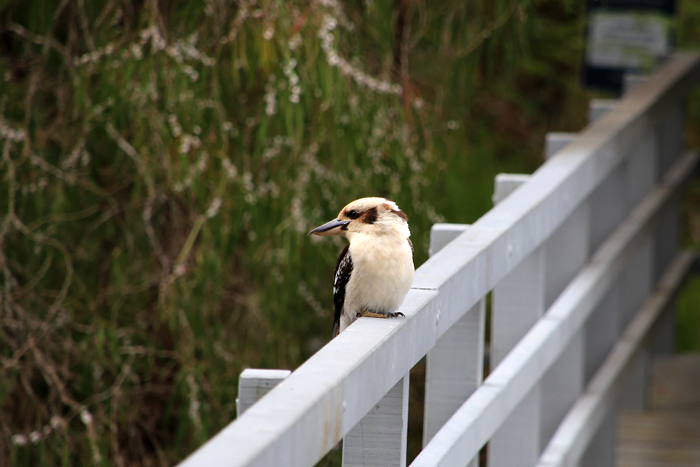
<point>381,277</point>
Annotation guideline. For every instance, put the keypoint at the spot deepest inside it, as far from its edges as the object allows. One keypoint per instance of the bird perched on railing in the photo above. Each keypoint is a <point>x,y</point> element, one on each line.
<point>375,271</point>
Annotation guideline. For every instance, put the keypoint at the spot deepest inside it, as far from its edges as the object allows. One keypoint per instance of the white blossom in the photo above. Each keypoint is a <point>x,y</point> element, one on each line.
<point>213,209</point>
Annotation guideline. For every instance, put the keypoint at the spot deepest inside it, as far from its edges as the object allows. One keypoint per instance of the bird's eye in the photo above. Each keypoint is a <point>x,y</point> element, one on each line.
<point>353,214</point>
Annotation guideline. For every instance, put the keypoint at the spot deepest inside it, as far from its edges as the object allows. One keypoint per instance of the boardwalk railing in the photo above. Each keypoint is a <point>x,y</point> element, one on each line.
<point>582,259</point>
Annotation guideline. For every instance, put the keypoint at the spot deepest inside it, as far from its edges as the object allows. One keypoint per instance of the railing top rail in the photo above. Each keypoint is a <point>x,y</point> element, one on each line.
<point>461,437</point>
<point>308,413</point>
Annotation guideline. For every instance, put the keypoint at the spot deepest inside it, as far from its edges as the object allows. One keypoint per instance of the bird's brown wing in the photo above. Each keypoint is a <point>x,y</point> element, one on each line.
<point>343,270</point>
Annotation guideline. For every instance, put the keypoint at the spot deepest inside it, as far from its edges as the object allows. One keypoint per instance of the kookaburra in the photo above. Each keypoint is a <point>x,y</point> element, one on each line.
<point>375,271</point>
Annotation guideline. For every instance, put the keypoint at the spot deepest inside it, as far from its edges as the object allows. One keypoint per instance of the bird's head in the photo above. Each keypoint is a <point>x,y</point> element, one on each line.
<point>367,216</point>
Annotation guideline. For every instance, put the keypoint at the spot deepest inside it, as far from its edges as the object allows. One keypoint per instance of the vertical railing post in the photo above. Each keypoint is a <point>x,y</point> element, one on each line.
<point>599,107</point>
<point>609,204</point>
<point>517,303</point>
<point>667,233</point>
<point>566,251</point>
<point>647,164</point>
<point>379,439</point>
<point>255,383</point>
<point>608,207</point>
<point>555,141</point>
<point>454,367</point>
<point>632,80</point>
<point>637,278</point>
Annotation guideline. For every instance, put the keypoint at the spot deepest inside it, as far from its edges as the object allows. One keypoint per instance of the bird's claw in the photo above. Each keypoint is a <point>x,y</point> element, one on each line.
<point>371,314</point>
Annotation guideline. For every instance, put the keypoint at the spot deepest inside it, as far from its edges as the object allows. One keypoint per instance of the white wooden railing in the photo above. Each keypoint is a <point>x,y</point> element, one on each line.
<point>582,259</point>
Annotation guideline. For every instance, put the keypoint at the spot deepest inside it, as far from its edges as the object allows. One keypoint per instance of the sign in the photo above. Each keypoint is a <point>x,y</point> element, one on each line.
<point>626,36</point>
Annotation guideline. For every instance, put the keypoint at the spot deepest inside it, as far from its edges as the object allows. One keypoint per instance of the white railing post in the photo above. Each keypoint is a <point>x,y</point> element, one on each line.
<point>608,207</point>
<point>599,107</point>
<point>601,333</point>
<point>379,439</point>
<point>517,303</point>
<point>554,141</point>
<point>667,234</point>
<point>255,383</point>
<point>454,367</point>
<point>637,278</point>
<point>566,252</point>
<point>631,81</point>
<point>636,284</point>
<point>610,203</point>
<point>667,243</point>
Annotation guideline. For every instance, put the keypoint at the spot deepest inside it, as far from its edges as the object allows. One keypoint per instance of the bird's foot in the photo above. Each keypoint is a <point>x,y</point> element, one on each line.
<point>372,314</point>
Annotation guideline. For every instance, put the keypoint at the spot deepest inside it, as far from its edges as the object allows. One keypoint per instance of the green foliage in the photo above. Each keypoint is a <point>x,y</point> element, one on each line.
<point>162,163</point>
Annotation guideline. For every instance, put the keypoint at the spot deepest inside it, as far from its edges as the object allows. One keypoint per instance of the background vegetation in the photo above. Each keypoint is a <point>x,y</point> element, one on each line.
<point>162,162</point>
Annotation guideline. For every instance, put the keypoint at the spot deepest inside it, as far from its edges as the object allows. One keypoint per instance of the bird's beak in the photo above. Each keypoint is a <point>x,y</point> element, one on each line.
<point>333,227</point>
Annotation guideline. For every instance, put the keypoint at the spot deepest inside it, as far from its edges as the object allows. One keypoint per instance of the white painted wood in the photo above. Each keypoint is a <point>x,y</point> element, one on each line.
<point>379,439</point>
<point>556,141</point>
<point>641,169</point>
<point>320,402</point>
<point>631,81</point>
<point>601,450</point>
<point>561,385</point>
<point>518,301</point>
<point>253,384</point>
<point>637,279</point>
<point>635,386</point>
<point>667,235</point>
<point>582,422</point>
<point>517,441</point>
<point>608,206</point>
<point>566,252</point>
<point>490,405</point>
<point>505,184</point>
<point>664,339</point>
<point>636,284</point>
<point>599,107</point>
<point>442,234</point>
<point>670,133</point>
<point>454,367</point>
<point>602,329</point>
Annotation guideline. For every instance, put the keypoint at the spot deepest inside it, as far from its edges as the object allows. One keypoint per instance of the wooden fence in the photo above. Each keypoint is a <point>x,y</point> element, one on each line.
<point>581,260</point>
